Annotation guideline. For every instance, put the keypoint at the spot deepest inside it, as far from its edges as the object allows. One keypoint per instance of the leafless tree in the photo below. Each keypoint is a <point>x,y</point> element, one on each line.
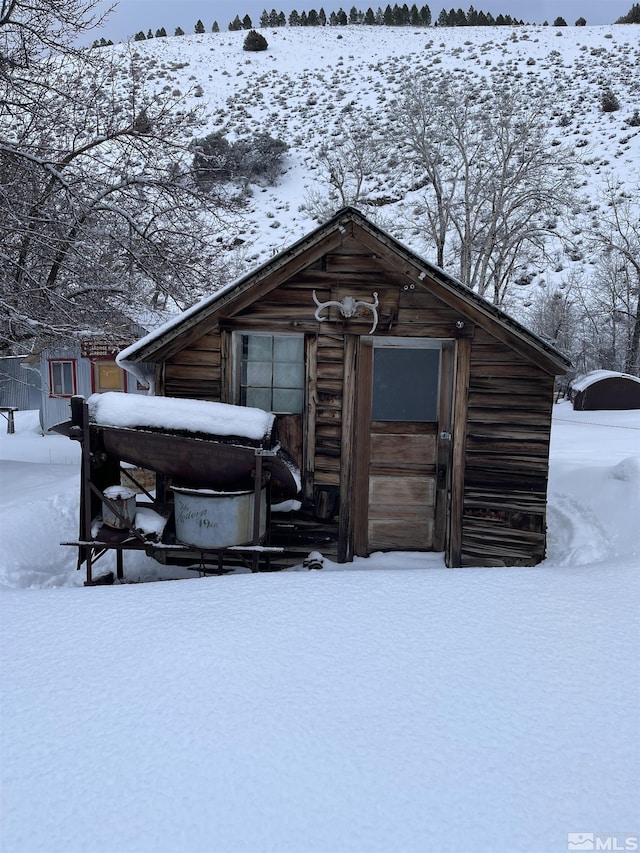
<point>493,180</point>
<point>98,208</point>
<point>346,161</point>
<point>555,314</point>
<point>615,233</point>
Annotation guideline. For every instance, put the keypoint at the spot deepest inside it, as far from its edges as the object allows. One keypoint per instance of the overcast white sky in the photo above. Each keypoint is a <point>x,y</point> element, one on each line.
<point>130,16</point>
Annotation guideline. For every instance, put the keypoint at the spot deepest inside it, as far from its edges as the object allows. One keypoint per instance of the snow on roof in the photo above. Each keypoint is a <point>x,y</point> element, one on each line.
<point>170,413</point>
<point>597,375</point>
<point>122,359</point>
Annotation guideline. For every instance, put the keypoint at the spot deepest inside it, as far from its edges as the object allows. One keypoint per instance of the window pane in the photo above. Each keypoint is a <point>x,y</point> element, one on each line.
<point>62,378</point>
<point>109,377</point>
<point>56,377</point>
<point>288,375</point>
<point>259,373</point>
<point>287,401</point>
<point>259,347</point>
<point>258,397</point>
<point>271,362</point>
<point>67,380</point>
<point>288,349</point>
<point>405,384</point>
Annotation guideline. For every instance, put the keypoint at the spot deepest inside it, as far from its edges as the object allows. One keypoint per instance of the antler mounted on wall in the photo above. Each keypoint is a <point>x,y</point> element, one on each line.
<point>348,308</point>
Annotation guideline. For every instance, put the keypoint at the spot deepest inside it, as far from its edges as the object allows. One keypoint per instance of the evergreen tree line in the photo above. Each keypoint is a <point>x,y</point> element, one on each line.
<point>162,33</point>
<point>391,16</point>
<point>632,16</point>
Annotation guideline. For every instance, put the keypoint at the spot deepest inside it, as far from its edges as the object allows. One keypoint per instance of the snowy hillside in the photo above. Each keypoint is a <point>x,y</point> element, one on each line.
<point>311,79</point>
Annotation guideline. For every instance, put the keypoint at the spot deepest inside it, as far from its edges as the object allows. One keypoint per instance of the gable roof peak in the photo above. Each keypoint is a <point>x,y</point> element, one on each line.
<point>309,248</point>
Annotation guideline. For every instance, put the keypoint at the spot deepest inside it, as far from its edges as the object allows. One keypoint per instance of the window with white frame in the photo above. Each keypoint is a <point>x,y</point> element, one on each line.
<point>272,372</point>
<point>62,375</point>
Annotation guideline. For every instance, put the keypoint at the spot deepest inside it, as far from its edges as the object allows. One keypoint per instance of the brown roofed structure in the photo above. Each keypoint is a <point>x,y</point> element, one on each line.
<point>418,413</point>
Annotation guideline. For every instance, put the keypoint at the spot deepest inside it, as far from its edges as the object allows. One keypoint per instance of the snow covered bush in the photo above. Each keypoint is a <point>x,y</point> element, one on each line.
<point>252,158</point>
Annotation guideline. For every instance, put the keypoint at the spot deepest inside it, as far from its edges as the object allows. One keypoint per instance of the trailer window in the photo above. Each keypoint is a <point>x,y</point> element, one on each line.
<point>272,372</point>
<point>62,377</point>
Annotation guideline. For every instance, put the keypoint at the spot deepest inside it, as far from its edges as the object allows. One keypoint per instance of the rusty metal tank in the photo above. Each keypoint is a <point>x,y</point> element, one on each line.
<point>207,518</point>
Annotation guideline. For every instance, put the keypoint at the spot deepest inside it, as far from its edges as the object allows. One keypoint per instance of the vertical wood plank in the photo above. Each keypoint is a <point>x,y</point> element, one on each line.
<point>362,449</point>
<point>290,435</point>
<point>443,452</point>
<point>159,379</point>
<point>227,391</point>
<point>310,410</point>
<point>345,523</point>
<point>459,419</point>
<point>86,514</point>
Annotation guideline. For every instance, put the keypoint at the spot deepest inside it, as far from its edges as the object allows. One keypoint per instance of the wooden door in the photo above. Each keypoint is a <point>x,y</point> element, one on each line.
<point>397,452</point>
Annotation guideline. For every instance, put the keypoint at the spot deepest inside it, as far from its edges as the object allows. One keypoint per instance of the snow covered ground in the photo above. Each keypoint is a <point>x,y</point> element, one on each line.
<point>386,705</point>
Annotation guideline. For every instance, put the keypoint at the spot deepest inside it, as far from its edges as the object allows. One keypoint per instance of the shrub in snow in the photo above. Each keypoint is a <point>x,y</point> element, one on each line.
<point>255,41</point>
<point>263,156</point>
<point>609,102</point>
<point>212,161</point>
<point>215,159</point>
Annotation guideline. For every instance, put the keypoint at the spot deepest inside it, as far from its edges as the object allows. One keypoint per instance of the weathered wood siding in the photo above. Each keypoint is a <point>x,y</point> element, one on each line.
<point>506,441</point>
<point>195,371</point>
<point>506,460</point>
<point>329,408</point>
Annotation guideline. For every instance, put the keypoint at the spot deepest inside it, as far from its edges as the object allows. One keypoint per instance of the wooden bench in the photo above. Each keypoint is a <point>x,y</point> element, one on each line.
<point>7,413</point>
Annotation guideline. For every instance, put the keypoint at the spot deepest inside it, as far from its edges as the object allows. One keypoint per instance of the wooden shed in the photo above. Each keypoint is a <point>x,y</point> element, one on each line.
<point>605,389</point>
<point>418,413</point>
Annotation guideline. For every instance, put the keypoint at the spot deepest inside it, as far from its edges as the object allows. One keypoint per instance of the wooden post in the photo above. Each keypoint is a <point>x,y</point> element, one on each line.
<point>362,449</point>
<point>460,410</point>
<point>309,418</point>
<point>227,391</point>
<point>347,449</point>
<point>267,538</point>
<point>119,564</point>
<point>257,489</point>
<point>9,410</point>
<point>85,487</point>
<point>443,448</point>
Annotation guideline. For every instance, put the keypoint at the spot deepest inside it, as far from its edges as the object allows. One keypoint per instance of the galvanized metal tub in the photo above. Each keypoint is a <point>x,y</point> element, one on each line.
<point>122,499</point>
<point>216,519</point>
